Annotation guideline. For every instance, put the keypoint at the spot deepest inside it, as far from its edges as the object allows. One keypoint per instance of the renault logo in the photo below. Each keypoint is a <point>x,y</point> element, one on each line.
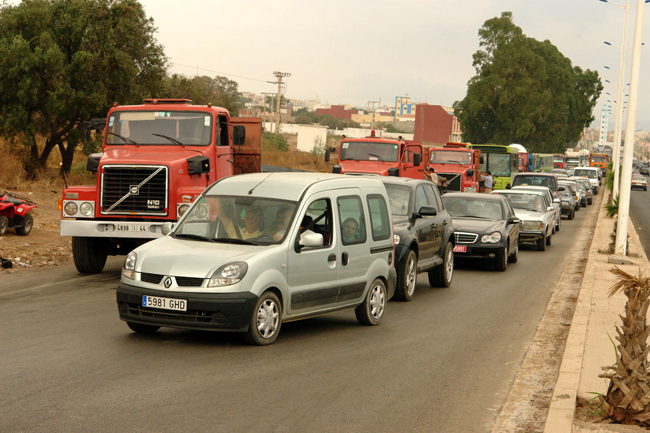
<point>167,282</point>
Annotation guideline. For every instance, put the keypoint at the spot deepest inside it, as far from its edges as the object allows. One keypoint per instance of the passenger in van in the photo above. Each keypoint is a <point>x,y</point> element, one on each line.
<point>252,221</point>
<point>226,227</point>
<point>349,231</point>
<point>281,223</point>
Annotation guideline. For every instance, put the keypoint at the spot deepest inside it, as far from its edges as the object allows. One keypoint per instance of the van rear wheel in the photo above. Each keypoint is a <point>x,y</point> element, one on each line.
<point>371,310</point>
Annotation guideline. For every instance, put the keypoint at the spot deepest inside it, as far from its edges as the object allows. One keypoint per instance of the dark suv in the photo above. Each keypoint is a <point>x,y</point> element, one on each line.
<point>424,235</point>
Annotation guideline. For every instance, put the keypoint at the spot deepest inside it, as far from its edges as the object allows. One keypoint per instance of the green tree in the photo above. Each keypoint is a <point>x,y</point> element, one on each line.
<point>65,61</point>
<point>525,91</point>
<point>219,91</point>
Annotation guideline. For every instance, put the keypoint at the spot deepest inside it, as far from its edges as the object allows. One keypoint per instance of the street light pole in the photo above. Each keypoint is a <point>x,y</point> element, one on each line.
<point>630,132</point>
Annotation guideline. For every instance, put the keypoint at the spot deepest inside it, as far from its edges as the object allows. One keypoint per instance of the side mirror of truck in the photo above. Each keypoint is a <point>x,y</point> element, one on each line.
<point>481,160</point>
<point>470,173</point>
<point>93,162</point>
<point>238,135</point>
<point>417,159</point>
<point>198,164</point>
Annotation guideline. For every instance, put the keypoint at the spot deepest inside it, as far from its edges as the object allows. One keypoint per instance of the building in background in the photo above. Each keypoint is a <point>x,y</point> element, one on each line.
<point>404,108</point>
<point>604,125</point>
<point>337,111</point>
<point>436,125</point>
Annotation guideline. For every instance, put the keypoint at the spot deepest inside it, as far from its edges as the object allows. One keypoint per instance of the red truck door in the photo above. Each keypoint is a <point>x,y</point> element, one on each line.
<point>412,162</point>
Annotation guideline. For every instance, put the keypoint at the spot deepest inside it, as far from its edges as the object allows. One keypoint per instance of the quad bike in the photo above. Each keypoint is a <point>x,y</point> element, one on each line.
<point>14,212</point>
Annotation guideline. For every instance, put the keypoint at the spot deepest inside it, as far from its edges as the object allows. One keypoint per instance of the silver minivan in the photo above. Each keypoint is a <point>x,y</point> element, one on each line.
<point>257,250</point>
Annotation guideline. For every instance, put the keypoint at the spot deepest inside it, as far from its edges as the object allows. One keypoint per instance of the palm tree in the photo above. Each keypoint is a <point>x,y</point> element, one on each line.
<point>628,397</point>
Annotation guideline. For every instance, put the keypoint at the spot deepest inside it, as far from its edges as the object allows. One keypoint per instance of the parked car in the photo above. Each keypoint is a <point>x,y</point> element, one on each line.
<point>424,236</point>
<point>289,259</point>
<point>485,227</point>
<point>555,202</point>
<point>537,179</point>
<point>568,201</point>
<point>591,173</point>
<point>639,182</point>
<point>573,186</point>
<point>587,187</point>
<point>536,213</point>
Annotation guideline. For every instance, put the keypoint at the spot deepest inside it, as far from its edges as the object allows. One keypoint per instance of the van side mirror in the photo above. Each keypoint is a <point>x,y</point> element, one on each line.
<point>166,228</point>
<point>238,135</point>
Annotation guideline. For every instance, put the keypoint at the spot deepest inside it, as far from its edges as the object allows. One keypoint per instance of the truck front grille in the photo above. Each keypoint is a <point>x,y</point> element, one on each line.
<point>453,181</point>
<point>134,190</point>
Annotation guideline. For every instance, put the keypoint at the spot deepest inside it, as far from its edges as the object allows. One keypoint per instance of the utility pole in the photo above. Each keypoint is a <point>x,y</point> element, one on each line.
<point>265,96</point>
<point>279,76</point>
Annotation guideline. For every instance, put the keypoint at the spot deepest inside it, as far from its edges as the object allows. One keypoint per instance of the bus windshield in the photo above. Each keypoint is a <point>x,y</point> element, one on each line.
<point>497,163</point>
<point>369,151</point>
<point>451,157</point>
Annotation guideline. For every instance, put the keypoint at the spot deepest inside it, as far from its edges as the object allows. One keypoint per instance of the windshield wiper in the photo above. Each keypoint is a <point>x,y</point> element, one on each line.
<point>376,156</point>
<point>173,140</point>
<point>193,236</point>
<point>124,139</point>
<point>234,241</point>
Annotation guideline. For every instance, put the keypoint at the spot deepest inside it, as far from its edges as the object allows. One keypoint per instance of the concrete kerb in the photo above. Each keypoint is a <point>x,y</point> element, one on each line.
<point>588,347</point>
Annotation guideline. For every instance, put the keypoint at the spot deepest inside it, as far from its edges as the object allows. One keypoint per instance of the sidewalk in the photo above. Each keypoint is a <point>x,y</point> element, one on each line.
<point>588,347</point>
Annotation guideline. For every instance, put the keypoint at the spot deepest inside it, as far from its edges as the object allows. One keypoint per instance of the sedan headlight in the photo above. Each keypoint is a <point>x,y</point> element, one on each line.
<point>533,225</point>
<point>228,274</point>
<point>565,203</point>
<point>128,270</point>
<point>492,238</point>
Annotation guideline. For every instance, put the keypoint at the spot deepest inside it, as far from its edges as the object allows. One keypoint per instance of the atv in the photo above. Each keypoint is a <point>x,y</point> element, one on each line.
<point>14,212</point>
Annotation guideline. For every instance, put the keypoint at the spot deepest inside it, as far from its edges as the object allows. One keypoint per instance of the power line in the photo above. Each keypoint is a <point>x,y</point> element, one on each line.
<point>216,72</point>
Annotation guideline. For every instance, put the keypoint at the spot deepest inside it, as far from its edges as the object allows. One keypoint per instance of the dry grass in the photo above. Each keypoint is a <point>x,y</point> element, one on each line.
<point>296,159</point>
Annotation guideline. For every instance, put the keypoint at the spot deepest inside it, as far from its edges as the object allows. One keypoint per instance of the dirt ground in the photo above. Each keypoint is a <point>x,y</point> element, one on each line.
<point>43,246</point>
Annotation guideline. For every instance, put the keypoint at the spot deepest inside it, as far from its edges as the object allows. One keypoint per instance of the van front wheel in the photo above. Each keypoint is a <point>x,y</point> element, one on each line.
<point>265,321</point>
<point>371,310</point>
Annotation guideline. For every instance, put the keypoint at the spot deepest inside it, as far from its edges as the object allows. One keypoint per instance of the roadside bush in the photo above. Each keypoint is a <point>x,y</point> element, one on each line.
<point>274,141</point>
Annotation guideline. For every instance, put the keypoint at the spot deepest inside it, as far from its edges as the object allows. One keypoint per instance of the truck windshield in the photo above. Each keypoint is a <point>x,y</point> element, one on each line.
<point>369,151</point>
<point>160,127</point>
<point>256,221</point>
<point>451,157</point>
<point>598,158</point>
<point>497,163</point>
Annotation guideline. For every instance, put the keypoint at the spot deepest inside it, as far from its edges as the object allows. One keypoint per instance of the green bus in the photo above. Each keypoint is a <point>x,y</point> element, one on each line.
<point>543,162</point>
<point>501,161</point>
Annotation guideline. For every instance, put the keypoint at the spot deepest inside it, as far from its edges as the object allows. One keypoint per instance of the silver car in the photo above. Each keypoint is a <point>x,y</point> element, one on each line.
<point>586,185</point>
<point>536,213</point>
<point>257,250</point>
<point>578,191</point>
<point>555,202</point>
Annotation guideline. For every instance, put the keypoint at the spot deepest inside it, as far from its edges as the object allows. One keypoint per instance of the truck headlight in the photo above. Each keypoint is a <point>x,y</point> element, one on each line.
<point>492,238</point>
<point>86,209</point>
<point>70,208</point>
<point>182,209</point>
<point>128,270</point>
<point>228,274</point>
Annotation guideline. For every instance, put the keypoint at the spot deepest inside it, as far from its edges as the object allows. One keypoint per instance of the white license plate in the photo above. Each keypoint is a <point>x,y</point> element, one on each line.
<point>460,249</point>
<point>132,227</point>
<point>164,303</point>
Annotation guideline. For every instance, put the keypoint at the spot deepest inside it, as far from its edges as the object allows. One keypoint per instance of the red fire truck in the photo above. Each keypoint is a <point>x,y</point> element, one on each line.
<point>458,165</point>
<point>374,155</point>
<point>156,159</point>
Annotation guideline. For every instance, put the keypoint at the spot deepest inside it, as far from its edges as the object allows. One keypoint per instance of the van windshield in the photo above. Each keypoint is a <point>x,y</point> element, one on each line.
<point>258,221</point>
<point>160,128</point>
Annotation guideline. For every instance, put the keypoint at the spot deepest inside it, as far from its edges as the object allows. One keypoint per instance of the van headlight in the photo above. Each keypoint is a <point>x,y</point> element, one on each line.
<point>229,274</point>
<point>128,270</point>
<point>492,238</point>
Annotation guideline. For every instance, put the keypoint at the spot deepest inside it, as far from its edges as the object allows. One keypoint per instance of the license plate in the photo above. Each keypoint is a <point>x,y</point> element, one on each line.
<point>131,227</point>
<point>164,303</point>
<point>460,249</point>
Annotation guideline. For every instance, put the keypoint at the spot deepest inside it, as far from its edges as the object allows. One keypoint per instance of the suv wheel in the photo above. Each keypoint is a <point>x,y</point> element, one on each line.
<point>442,275</point>
<point>266,321</point>
<point>407,274</point>
<point>371,310</point>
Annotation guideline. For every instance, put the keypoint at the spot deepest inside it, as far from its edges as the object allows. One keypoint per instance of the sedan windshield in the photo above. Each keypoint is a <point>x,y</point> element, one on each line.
<point>237,220</point>
<point>369,151</point>
<point>160,127</point>
<point>526,201</point>
<point>473,208</point>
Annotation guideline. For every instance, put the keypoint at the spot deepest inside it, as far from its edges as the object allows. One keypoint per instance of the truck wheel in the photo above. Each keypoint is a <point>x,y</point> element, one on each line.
<point>371,310</point>
<point>89,255</point>
<point>142,329</point>
<point>28,223</point>
<point>266,321</point>
<point>442,275</point>
<point>407,275</point>
<point>4,224</point>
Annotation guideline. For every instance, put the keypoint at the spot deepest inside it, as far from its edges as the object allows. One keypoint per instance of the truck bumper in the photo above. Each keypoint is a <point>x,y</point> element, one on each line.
<point>111,229</point>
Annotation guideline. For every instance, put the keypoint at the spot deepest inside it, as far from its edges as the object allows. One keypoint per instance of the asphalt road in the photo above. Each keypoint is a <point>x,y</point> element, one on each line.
<point>640,214</point>
<point>441,363</point>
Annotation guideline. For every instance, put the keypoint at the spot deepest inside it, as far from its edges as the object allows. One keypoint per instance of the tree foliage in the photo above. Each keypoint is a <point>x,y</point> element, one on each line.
<point>525,91</point>
<point>65,61</point>
<point>220,91</point>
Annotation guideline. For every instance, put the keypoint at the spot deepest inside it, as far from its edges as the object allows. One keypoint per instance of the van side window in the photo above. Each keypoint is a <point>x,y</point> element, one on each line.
<point>380,221</point>
<point>353,222</point>
<point>318,219</point>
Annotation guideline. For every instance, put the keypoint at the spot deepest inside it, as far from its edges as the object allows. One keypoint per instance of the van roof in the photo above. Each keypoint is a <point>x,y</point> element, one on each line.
<point>287,186</point>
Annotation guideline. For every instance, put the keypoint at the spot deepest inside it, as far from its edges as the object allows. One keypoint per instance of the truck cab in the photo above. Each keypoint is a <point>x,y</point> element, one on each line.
<point>458,165</point>
<point>156,159</point>
<point>379,156</point>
